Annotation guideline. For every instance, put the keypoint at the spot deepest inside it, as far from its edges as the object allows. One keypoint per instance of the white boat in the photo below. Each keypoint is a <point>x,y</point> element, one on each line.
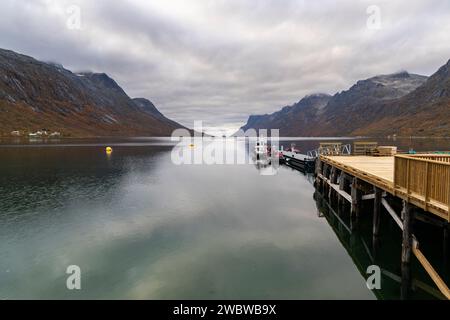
<point>261,147</point>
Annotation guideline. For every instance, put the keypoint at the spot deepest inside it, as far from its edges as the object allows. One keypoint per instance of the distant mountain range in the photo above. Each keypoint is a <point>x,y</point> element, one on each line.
<point>400,103</point>
<point>35,95</point>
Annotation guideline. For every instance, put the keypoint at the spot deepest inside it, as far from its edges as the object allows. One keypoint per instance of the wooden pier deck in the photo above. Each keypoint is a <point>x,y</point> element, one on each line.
<point>426,185</point>
<point>420,181</point>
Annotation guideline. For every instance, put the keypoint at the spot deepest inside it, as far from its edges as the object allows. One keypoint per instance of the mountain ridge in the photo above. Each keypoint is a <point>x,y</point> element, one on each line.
<point>397,103</point>
<point>36,95</point>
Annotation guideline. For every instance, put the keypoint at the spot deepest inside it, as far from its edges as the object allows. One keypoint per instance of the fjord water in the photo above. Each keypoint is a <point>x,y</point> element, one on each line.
<point>141,227</point>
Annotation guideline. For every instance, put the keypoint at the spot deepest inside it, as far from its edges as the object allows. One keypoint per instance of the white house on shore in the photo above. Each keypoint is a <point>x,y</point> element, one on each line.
<point>44,133</point>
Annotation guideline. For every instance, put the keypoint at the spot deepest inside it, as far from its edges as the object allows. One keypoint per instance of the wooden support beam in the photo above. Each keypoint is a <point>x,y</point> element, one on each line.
<point>407,242</point>
<point>376,212</point>
<point>431,220</point>
<point>368,196</point>
<point>325,169</point>
<point>347,177</point>
<point>430,270</point>
<point>319,164</point>
<point>334,175</point>
<point>342,181</point>
<point>333,180</point>
<point>319,182</point>
<point>372,196</point>
<point>408,213</point>
<point>392,213</point>
<point>356,197</point>
<point>408,216</point>
<point>356,203</point>
<point>344,194</point>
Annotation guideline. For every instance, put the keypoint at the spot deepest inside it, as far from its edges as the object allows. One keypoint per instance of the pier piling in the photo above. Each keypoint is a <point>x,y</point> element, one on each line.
<point>333,180</point>
<point>376,211</point>
<point>393,179</point>
<point>356,202</point>
<point>407,214</point>
<point>407,243</point>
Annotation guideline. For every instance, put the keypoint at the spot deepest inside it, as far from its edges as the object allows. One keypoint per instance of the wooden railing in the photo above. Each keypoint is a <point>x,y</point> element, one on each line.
<point>435,157</point>
<point>426,176</point>
<point>337,149</point>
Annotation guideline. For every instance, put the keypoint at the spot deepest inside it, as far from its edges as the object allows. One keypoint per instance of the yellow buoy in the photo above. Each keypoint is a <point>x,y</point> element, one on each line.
<point>108,149</point>
<point>191,145</point>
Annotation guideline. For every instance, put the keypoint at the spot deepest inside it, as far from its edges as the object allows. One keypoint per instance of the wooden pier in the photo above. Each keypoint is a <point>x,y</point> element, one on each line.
<point>419,183</point>
<point>423,180</point>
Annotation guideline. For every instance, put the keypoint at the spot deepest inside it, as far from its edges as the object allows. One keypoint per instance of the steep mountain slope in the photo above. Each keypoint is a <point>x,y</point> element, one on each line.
<point>290,118</point>
<point>424,111</point>
<point>35,95</point>
<point>349,112</point>
<point>365,101</point>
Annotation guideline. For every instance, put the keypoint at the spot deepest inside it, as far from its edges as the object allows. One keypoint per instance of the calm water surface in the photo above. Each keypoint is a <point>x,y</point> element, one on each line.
<point>141,227</point>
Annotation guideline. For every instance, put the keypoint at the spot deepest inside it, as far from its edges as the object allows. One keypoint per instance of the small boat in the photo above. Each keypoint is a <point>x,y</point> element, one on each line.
<point>292,149</point>
<point>261,151</point>
<point>298,161</point>
<point>261,147</point>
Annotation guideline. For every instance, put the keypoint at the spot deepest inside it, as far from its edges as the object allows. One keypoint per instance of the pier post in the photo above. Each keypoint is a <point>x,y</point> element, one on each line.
<point>407,214</point>
<point>376,211</point>
<point>333,179</point>
<point>319,181</point>
<point>318,166</point>
<point>356,203</point>
<point>341,187</point>
<point>325,175</point>
<point>405,284</point>
<point>408,217</point>
<point>376,221</point>
<point>342,181</point>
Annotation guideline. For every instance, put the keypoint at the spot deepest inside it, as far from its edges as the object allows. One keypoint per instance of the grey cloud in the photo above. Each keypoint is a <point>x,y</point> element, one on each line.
<point>220,61</point>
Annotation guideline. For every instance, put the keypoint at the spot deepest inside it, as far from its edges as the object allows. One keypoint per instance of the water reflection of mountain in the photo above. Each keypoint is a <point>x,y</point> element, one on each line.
<point>49,177</point>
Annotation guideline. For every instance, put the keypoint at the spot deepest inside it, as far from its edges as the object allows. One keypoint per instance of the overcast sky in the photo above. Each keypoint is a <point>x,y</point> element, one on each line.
<point>221,60</point>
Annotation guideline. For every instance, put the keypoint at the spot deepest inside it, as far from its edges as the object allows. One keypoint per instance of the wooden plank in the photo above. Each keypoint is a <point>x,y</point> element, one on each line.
<point>368,196</point>
<point>378,168</point>
<point>344,194</point>
<point>378,195</point>
<point>416,283</point>
<point>372,196</point>
<point>361,148</point>
<point>392,213</point>
<point>386,151</point>
<point>336,187</point>
<point>430,270</point>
